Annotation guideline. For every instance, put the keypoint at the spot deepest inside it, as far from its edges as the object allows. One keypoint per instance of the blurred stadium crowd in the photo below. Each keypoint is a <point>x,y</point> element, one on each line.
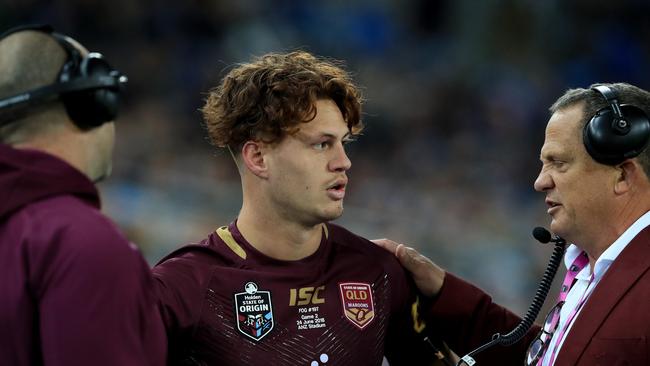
<point>457,95</point>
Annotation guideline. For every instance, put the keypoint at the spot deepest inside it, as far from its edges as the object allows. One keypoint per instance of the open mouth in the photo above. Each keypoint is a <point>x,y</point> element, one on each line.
<point>337,191</point>
<point>338,187</point>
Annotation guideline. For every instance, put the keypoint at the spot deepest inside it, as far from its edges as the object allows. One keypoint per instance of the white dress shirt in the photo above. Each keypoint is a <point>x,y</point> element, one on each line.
<point>585,284</point>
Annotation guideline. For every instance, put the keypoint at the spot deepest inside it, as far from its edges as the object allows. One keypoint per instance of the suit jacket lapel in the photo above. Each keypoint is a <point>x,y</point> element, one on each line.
<point>623,273</point>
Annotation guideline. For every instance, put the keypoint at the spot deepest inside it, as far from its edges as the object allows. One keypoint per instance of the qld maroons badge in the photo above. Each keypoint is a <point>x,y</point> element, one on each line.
<point>358,306</point>
<point>254,312</point>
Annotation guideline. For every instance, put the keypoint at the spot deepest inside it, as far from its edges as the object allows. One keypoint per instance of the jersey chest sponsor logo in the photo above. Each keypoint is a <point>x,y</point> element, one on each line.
<point>306,296</point>
<point>307,302</point>
<point>254,312</point>
<point>358,306</point>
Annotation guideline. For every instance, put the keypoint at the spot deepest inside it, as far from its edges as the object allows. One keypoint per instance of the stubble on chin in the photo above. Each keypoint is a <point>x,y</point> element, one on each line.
<point>333,213</point>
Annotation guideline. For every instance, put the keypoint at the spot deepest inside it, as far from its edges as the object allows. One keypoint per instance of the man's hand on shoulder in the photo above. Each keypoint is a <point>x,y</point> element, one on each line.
<point>428,276</point>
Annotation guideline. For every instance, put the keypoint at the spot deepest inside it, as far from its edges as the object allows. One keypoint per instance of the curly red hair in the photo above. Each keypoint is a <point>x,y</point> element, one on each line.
<point>269,98</point>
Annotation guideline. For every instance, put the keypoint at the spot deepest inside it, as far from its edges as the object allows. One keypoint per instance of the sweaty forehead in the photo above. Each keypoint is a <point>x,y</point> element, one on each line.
<point>562,130</point>
<point>566,120</point>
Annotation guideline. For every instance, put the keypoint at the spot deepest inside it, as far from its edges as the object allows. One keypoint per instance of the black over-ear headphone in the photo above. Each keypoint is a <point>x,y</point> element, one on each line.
<point>616,132</point>
<point>87,85</point>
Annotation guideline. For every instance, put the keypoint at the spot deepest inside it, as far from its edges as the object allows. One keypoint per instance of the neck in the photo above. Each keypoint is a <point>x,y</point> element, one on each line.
<point>275,236</point>
<point>619,222</point>
<point>594,247</point>
<point>63,143</point>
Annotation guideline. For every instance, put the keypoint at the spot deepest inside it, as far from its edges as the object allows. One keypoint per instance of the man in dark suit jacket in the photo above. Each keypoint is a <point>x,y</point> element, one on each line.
<point>595,169</point>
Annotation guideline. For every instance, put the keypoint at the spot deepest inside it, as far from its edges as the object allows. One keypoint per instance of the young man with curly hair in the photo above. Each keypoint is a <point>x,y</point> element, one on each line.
<point>280,285</point>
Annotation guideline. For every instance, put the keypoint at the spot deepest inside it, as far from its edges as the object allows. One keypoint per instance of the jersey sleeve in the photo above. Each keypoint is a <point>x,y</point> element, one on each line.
<point>466,318</point>
<point>95,296</point>
<point>181,280</point>
<point>406,342</point>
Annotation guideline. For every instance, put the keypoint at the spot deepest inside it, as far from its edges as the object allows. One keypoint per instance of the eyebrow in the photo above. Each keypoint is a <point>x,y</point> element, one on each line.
<point>549,155</point>
<point>545,155</point>
<point>329,135</point>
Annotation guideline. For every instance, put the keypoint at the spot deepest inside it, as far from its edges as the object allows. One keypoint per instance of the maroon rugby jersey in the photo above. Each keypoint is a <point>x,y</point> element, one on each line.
<point>349,303</point>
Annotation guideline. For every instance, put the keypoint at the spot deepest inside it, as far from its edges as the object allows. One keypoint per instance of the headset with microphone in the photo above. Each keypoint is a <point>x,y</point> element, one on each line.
<point>617,132</point>
<point>88,86</point>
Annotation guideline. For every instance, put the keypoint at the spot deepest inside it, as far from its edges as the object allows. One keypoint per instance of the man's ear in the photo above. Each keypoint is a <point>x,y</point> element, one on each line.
<point>253,158</point>
<point>629,173</point>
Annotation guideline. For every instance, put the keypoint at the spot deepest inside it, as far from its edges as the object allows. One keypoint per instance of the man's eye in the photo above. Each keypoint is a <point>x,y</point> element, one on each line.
<point>321,145</point>
<point>559,164</point>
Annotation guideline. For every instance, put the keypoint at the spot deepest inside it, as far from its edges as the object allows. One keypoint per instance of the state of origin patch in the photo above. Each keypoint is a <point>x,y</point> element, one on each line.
<point>254,312</point>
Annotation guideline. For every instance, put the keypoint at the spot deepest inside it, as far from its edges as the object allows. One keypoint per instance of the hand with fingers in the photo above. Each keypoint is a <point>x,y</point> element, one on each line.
<point>427,275</point>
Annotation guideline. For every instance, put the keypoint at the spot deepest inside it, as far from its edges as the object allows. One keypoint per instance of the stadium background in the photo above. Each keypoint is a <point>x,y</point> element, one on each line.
<point>457,96</point>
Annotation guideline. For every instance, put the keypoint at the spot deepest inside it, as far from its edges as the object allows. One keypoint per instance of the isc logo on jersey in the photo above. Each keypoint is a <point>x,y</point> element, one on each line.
<point>358,306</point>
<point>306,296</point>
<point>254,312</point>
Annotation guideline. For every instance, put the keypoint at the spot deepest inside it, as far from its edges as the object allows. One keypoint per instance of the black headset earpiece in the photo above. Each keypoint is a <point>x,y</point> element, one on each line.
<point>617,132</point>
<point>87,85</point>
<point>93,106</point>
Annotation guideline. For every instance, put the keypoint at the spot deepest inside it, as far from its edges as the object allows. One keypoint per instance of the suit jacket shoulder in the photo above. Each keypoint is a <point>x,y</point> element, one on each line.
<point>614,326</point>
